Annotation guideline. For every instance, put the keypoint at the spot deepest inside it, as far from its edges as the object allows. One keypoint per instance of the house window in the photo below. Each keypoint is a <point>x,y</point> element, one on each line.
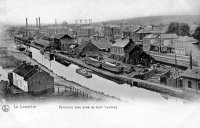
<point>198,86</point>
<point>189,84</point>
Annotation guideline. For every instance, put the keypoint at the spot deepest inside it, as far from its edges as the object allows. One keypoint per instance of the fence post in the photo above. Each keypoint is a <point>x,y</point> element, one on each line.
<point>58,89</point>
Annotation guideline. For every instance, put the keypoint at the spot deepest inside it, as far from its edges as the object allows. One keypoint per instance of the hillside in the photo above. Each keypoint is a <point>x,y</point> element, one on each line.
<point>190,19</point>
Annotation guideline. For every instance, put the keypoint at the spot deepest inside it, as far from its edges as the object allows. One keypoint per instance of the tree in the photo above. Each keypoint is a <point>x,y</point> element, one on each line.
<point>181,29</point>
<point>196,34</point>
<point>184,29</point>
<point>173,28</point>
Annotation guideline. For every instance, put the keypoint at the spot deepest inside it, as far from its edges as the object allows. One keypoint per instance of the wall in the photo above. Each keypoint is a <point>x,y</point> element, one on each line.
<point>20,82</point>
<point>194,84</point>
<point>117,50</point>
<point>65,43</point>
<point>40,82</point>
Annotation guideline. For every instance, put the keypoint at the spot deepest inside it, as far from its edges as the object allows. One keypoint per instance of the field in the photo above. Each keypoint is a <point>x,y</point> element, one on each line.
<point>8,61</point>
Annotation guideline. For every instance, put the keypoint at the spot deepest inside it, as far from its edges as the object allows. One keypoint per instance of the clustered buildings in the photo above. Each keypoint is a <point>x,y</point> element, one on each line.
<point>130,44</point>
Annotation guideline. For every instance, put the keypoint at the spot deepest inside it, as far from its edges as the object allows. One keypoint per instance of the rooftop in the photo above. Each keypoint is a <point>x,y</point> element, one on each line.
<point>186,39</point>
<point>120,42</point>
<point>26,70</point>
<point>60,36</point>
<point>23,69</point>
<point>41,42</point>
<point>146,30</point>
<point>130,47</point>
<point>168,36</point>
<point>151,36</point>
<point>194,73</point>
<point>83,44</point>
<point>102,43</point>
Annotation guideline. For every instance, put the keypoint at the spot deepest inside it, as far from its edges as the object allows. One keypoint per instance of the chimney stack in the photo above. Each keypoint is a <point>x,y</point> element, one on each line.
<point>39,21</point>
<point>36,22</point>
<point>26,22</point>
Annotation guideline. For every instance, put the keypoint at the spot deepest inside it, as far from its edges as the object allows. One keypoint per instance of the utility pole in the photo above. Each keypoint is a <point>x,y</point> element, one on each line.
<point>176,68</point>
<point>190,60</point>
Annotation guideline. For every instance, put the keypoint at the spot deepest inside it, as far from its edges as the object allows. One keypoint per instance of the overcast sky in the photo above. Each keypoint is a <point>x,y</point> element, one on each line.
<point>15,11</point>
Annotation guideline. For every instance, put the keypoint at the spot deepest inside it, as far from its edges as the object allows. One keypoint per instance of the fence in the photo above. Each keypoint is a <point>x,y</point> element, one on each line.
<point>61,89</point>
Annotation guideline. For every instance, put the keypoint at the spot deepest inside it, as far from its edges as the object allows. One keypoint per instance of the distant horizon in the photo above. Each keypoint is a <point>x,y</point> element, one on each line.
<point>15,12</point>
<point>33,24</point>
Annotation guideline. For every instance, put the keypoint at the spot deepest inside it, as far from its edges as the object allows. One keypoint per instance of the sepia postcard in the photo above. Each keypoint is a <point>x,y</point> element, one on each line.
<point>99,63</point>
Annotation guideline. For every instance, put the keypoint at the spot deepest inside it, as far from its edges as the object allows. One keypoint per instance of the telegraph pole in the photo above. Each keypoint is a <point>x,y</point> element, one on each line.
<point>176,68</point>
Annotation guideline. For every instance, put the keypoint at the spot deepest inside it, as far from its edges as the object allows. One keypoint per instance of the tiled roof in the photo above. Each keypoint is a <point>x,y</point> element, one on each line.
<point>83,44</point>
<point>23,69</point>
<point>60,36</point>
<point>31,74</point>
<point>26,70</point>
<point>120,43</point>
<point>102,43</point>
<point>130,47</point>
<point>194,73</point>
<point>143,31</point>
<point>146,31</point>
<point>41,42</point>
<point>151,36</point>
<point>168,36</point>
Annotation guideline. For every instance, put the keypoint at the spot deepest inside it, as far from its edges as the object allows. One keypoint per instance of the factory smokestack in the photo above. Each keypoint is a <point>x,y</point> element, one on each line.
<point>36,22</point>
<point>26,22</point>
<point>39,21</point>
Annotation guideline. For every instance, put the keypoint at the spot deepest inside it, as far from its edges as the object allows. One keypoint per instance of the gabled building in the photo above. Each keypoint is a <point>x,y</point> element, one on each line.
<point>126,50</point>
<point>143,32</point>
<point>32,79</point>
<point>135,55</point>
<point>130,31</point>
<point>103,44</point>
<point>64,41</point>
<point>118,49</point>
<point>191,79</point>
<point>86,47</point>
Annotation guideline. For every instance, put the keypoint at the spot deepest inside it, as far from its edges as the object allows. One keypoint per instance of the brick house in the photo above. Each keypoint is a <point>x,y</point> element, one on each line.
<point>191,79</point>
<point>32,79</point>
<point>64,41</point>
